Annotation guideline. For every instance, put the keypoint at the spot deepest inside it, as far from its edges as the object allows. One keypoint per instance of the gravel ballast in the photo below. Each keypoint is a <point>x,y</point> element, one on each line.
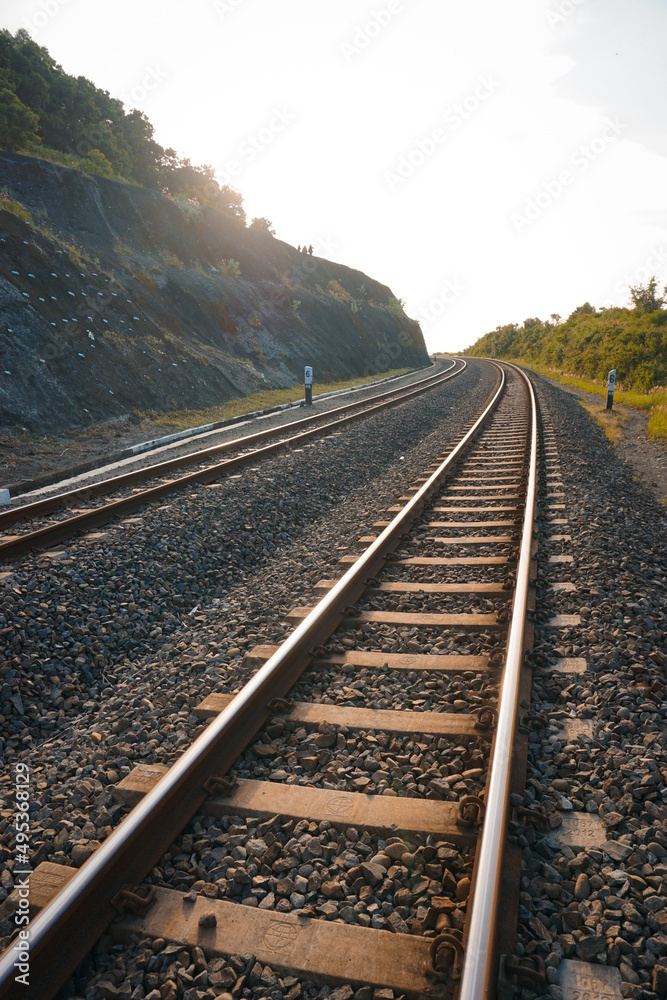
<point>605,905</point>
<point>608,904</point>
<point>111,642</point>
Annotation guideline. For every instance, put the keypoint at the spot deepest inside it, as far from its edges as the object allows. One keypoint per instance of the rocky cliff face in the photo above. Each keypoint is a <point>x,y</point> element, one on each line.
<point>114,299</point>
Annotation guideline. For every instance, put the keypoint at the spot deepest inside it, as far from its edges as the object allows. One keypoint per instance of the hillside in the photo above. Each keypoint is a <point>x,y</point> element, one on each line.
<point>116,298</point>
<point>47,112</point>
<point>591,342</point>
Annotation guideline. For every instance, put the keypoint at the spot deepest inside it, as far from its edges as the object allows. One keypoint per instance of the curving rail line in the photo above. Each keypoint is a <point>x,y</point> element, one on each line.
<point>479,967</point>
<point>70,924</point>
<point>59,531</point>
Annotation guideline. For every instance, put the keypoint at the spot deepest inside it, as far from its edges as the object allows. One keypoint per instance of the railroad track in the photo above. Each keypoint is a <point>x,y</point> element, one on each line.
<point>423,855</point>
<point>208,470</point>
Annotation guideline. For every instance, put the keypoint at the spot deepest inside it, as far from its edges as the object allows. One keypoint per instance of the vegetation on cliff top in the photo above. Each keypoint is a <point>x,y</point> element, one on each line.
<point>592,341</point>
<point>68,120</point>
<point>582,350</point>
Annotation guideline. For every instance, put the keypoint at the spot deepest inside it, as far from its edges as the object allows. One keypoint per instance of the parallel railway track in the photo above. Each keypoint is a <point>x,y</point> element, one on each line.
<point>437,597</point>
<point>208,470</point>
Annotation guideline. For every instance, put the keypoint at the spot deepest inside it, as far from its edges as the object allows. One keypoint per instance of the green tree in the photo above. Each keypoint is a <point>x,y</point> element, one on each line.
<point>645,297</point>
<point>18,124</point>
<point>230,202</point>
<point>261,225</point>
<point>179,176</point>
<point>589,343</point>
<point>39,101</point>
<point>135,133</point>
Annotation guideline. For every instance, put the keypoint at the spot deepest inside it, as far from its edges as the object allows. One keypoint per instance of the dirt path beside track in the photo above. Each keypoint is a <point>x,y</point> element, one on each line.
<point>647,457</point>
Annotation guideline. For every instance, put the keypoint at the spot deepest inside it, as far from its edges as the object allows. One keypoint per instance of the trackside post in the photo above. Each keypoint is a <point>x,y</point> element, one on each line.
<point>611,382</point>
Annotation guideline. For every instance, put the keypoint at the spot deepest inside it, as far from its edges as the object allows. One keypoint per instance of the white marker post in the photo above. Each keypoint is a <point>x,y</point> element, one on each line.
<point>308,383</point>
<point>611,382</point>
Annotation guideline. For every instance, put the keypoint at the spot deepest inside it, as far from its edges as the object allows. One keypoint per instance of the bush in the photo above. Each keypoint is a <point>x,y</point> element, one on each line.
<point>336,291</point>
<point>262,225</point>
<point>95,162</point>
<point>588,344</point>
<point>230,268</point>
<point>9,204</point>
<point>18,124</point>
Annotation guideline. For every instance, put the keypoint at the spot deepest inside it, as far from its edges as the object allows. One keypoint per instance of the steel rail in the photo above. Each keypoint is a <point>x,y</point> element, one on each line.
<point>67,928</point>
<point>49,504</point>
<point>58,531</point>
<point>478,962</point>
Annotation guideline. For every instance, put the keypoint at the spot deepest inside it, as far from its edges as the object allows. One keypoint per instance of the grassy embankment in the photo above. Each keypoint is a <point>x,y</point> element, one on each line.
<point>655,402</point>
<point>182,419</point>
<point>100,439</point>
<point>177,420</point>
<point>580,352</point>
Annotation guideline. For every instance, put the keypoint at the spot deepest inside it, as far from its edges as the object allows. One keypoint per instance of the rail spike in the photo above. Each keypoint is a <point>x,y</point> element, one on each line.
<point>446,955</point>
<point>529,971</point>
<point>135,898</point>
<point>280,705</point>
<point>536,816</point>
<point>486,719</point>
<point>471,811</point>
<point>496,660</point>
<point>221,784</point>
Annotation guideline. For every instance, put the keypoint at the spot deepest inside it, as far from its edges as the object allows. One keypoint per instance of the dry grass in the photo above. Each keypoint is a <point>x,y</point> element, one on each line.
<point>657,422</point>
<point>24,454</point>
<point>611,421</point>
<point>9,204</point>
<point>182,419</point>
<point>654,401</point>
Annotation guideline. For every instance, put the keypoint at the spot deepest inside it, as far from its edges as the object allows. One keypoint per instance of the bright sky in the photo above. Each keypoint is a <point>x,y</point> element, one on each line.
<point>488,161</point>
